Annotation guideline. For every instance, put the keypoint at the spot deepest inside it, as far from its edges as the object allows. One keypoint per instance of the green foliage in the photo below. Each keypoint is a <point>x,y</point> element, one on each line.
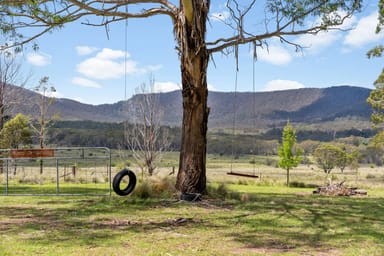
<point>288,156</point>
<point>376,97</point>
<point>16,132</point>
<point>328,156</point>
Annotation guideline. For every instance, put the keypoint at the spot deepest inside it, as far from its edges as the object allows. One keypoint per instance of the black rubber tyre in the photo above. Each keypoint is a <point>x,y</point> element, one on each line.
<point>119,177</point>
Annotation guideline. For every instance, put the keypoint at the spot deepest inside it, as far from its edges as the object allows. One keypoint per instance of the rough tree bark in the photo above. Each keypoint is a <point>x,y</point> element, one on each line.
<point>194,58</point>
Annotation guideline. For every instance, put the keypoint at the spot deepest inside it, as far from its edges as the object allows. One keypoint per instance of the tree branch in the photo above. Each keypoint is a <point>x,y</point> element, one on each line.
<point>285,25</point>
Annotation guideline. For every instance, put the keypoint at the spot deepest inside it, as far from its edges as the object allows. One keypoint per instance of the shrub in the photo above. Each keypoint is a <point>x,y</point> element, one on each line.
<point>143,190</point>
<point>155,187</point>
<point>370,176</point>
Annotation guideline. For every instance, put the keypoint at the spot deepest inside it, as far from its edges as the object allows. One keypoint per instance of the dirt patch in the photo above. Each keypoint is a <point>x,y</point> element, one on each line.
<point>123,223</point>
<point>276,251</point>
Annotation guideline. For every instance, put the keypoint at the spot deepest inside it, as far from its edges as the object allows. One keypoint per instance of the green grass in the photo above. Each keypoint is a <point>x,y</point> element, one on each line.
<point>272,221</point>
<point>242,217</point>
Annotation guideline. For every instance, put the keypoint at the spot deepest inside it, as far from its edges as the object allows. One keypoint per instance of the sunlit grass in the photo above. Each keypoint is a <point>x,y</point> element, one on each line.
<point>241,216</point>
<point>273,221</point>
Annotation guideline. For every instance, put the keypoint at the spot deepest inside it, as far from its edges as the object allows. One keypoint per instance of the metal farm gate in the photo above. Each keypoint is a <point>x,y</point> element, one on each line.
<point>55,171</point>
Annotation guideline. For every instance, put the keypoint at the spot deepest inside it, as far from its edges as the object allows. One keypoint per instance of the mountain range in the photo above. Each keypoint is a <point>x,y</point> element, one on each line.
<point>243,110</point>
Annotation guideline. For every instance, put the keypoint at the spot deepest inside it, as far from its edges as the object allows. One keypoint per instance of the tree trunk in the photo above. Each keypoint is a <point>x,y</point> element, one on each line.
<point>190,32</point>
<point>191,177</point>
<point>288,177</point>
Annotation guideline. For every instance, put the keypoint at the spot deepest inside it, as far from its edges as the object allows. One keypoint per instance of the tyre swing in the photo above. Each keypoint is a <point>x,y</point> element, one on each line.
<point>231,172</point>
<point>116,184</point>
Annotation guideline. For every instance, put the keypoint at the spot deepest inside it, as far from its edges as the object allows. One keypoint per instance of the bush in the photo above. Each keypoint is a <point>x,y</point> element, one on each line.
<point>296,184</point>
<point>370,176</point>
<point>144,190</point>
<point>221,191</point>
<point>155,187</point>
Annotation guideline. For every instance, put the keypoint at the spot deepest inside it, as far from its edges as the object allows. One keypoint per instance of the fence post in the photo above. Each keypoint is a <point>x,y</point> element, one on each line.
<point>6,178</point>
<point>57,177</point>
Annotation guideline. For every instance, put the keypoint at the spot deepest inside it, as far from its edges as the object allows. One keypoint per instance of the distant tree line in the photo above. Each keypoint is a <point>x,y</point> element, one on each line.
<point>100,134</point>
<point>341,151</point>
<point>319,135</point>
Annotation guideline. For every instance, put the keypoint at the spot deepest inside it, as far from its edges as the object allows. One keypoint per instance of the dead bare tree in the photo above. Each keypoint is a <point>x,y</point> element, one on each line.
<point>10,74</point>
<point>278,19</point>
<point>145,137</point>
<point>45,118</point>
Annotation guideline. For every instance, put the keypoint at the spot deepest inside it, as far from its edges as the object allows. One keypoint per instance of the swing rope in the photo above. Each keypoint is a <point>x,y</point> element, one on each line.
<point>234,121</point>
<point>125,76</point>
<point>125,54</point>
<point>231,172</point>
<point>254,112</point>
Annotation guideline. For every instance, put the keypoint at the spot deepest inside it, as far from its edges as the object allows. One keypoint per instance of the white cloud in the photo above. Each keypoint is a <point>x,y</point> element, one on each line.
<point>108,54</point>
<point>85,82</point>
<point>211,87</point>
<point>315,43</point>
<point>274,54</point>
<point>166,86</point>
<point>110,64</point>
<point>85,50</point>
<point>364,32</point>
<point>323,39</point>
<point>278,85</point>
<point>39,59</point>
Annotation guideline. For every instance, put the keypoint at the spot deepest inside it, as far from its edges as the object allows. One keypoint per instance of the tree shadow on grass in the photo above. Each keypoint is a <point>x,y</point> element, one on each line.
<point>267,222</point>
<point>284,222</point>
<point>92,222</point>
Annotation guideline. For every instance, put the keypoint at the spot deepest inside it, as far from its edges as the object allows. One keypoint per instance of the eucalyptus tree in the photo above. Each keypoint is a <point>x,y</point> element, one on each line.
<point>45,119</point>
<point>250,22</point>
<point>328,156</point>
<point>376,96</point>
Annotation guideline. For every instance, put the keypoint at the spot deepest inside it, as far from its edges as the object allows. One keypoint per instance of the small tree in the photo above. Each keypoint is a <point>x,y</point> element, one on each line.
<point>328,156</point>
<point>44,120</point>
<point>288,156</point>
<point>145,137</point>
<point>347,157</point>
<point>16,133</point>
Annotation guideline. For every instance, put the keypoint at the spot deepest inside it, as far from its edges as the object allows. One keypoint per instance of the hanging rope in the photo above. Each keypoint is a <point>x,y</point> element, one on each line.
<point>231,172</point>
<point>125,76</point>
<point>125,54</point>
<point>234,119</point>
<point>254,113</point>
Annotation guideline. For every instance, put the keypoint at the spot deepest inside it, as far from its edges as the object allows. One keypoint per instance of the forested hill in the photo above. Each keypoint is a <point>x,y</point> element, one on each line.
<point>249,110</point>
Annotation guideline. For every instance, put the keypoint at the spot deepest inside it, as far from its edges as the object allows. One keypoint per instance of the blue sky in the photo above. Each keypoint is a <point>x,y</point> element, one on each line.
<point>93,66</point>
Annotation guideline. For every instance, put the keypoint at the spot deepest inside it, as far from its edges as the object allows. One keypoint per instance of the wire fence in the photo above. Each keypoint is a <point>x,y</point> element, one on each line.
<point>55,171</point>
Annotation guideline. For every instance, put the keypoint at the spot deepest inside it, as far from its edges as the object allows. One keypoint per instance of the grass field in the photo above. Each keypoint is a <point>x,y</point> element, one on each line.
<point>241,217</point>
